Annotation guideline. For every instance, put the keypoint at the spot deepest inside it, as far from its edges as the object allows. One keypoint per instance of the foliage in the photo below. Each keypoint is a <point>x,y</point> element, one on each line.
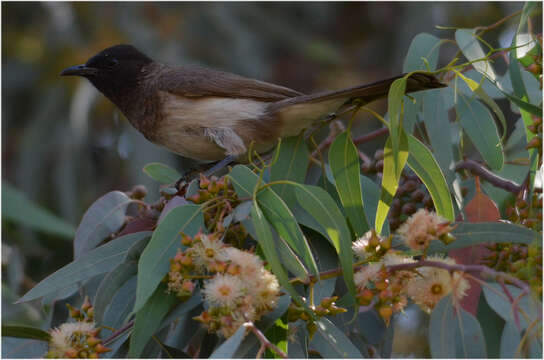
<point>198,272</point>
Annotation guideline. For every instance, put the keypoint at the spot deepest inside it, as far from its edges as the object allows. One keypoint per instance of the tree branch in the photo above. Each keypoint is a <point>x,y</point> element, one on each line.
<point>264,341</point>
<point>487,175</point>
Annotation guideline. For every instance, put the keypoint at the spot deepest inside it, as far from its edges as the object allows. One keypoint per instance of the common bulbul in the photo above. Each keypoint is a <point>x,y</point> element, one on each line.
<point>206,114</point>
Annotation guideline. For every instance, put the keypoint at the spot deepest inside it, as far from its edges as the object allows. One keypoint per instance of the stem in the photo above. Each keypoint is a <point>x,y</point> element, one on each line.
<point>119,332</point>
<point>370,136</point>
<point>487,175</point>
<point>264,341</point>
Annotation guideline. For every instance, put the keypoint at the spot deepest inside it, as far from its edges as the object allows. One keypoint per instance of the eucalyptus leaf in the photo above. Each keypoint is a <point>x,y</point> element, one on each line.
<point>480,127</point>
<point>104,217</point>
<point>467,234</point>
<point>345,168</point>
<point>148,319</point>
<point>111,283</point>
<point>228,348</point>
<point>390,178</point>
<point>422,162</point>
<point>154,262</point>
<point>97,261</point>
<point>320,205</point>
<point>18,208</point>
<point>161,173</point>
<point>454,333</point>
<point>396,132</point>
<point>25,332</point>
<point>331,342</point>
<point>510,340</point>
<point>423,46</point>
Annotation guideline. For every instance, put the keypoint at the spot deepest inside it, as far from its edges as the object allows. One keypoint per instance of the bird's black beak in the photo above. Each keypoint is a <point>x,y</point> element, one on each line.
<point>79,70</point>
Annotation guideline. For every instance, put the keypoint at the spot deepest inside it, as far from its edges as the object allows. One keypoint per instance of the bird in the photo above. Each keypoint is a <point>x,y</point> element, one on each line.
<point>209,115</point>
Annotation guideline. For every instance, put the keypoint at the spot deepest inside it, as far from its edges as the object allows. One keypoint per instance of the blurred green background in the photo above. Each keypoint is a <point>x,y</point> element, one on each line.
<point>64,145</point>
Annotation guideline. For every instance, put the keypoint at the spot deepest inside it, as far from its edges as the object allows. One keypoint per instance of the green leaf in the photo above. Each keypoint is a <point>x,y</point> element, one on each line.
<point>467,234</point>
<point>154,262</point>
<point>480,127</point>
<point>454,333</point>
<point>470,46</point>
<point>292,164</point>
<point>435,116</point>
<point>390,178</point>
<point>229,347</point>
<point>264,324</point>
<point>510,340</point>
<point>423,46</point>
<point>320,205</point>
<point>502,306</point>
<point>18,208</point>
<point>344,164</point>
<point>422,162</point>
<point>396,132</point>
<point>161,173</point>
<point>266,241</point>
<point>277,335</point>
<point>104,217</point>
<point>371,194</point>
<point>97,261</point>
<point>148,319</point>
<point>25,332</point>
<point>110,285</point>
<point>276,212</point>
<point>331,342</point>
<point>492,326</point>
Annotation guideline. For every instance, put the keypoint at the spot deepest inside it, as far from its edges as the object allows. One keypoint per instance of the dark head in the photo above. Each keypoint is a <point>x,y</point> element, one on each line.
<point>113,70</point>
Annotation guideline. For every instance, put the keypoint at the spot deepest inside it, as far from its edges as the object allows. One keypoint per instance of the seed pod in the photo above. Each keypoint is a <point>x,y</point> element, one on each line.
<point>385,312</point>
<point>379,154</point>
<point>379,166</point>
<point>418,195</point>
<point>408,209</point>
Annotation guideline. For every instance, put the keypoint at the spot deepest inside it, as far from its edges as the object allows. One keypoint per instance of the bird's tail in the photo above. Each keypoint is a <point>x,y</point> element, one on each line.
<point>299,112</point>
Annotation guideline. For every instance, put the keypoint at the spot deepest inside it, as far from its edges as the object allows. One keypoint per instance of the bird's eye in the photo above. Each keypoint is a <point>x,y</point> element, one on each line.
<point>111,62</point>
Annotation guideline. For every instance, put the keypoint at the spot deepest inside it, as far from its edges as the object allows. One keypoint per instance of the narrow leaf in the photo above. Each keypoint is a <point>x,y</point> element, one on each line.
<point>423,46</point>
<point>276,212</point>
<point>161,173</point>
<point>25,332</point>
<point>344,164</point>
<point>467,234</point>
<point>18,208</point>
<point>436,118</point>
<point>390,178</point>
<point>481,129</point>
<point>320,205</point>
<point>97,261</point>
<point>229,347</point>
<point>422,162</point>
<point>110,285</point>
<point>266,241</point>
<point>291,165</point>
<point>331,342</point>
<point>154,262</point>
<point>148,319</point>
<point>470,46</point>
<point>105,216</point>
<point>394,108</point>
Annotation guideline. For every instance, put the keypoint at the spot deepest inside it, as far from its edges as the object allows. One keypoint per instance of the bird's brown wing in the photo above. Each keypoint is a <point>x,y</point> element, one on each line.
<point>194,81</point>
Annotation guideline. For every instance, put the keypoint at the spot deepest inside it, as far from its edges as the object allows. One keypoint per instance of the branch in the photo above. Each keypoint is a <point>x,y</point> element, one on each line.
<point>465,268</point>
<point>264,341</point>
<point>370,136</point>
<point>487,175</point>
<point>113,336</point>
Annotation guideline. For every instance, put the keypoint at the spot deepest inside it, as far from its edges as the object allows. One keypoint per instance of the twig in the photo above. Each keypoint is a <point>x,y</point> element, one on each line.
<point>487,175</point>
<point>119,332</point>
<point>264,341</point>
<point>370,136</point>
<point>369,307</point>
<point>483,29</point>
<point>465,268</point>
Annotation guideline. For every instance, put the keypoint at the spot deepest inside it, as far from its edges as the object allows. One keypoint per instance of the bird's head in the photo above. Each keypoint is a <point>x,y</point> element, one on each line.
<point>112,70</point>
